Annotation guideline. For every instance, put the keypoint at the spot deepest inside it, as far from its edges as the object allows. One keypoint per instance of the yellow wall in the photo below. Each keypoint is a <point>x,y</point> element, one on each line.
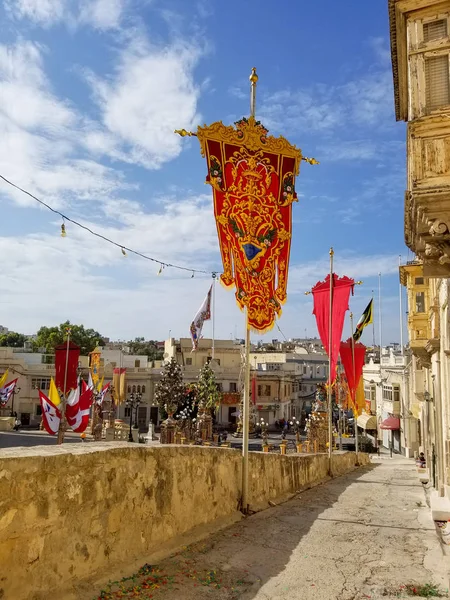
<point>70,513</point>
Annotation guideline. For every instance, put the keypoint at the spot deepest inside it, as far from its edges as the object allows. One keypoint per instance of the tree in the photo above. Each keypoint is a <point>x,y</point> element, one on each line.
<point>207,390</point>
<point>49,337</point>
<point>170,391</point>
<point>13,339</point>
<point>146,347</point>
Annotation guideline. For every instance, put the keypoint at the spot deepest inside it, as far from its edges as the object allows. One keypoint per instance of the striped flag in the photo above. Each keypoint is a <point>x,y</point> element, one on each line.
<point>366,319</point>
<point>6,391</point>
<point>51,415</point>
<point>203,314</point>
<point>101,395</point>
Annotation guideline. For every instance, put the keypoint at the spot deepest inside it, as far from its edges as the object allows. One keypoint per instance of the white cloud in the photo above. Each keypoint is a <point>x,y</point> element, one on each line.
<point>42,12</point>
<point>358,266</point>
<point>99,14</point>
<point>151,94</point>
<point>41,133</point>
<point>102,14</point>
<point>86,280</point>
<point>362,102</point>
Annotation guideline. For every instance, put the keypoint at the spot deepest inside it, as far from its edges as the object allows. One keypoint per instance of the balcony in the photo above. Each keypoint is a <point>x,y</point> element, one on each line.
<point>392,408</point>
<point>427,202</point>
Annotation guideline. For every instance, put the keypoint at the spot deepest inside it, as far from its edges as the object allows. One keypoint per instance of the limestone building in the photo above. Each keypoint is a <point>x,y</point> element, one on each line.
<point>420,46</point>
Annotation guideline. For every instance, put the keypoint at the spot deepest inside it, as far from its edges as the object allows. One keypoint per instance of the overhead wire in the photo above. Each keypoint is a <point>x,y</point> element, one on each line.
<point>122,247</point>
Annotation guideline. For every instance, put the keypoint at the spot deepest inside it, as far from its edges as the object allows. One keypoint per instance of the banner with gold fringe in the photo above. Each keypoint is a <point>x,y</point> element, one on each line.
<point>253,179</point>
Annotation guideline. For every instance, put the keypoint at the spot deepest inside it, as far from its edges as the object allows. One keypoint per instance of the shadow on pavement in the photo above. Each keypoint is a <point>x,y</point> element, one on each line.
<point>236,562</point>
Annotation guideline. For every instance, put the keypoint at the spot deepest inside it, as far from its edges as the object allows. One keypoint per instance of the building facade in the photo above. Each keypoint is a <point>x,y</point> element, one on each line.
<point>388,393</point>
<point>420,46</point>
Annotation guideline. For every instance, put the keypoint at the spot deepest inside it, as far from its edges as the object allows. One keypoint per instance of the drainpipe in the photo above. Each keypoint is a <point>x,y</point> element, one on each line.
<point>439,427</point>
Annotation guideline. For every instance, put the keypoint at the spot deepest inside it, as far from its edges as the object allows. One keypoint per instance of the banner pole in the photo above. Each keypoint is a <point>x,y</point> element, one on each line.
<point>380,323</point>
<point>62,421</point>
<point>245,418</point>
<point>330,343</point>
<point>213,315</point>
<point>355,406</point>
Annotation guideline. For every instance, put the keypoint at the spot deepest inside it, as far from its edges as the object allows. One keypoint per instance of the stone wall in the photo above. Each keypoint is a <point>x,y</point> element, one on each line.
<point>68,513</point>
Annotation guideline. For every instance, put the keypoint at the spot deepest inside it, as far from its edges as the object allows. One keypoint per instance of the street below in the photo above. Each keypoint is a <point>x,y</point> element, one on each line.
<point>16,439</point>
<point>368,534</point>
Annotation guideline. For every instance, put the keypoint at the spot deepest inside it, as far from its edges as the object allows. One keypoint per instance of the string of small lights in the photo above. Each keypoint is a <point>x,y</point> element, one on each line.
<point>124,249</point>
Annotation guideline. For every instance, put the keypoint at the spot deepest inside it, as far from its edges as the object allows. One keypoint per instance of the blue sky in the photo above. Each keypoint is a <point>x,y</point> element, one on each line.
<point>90,92</point>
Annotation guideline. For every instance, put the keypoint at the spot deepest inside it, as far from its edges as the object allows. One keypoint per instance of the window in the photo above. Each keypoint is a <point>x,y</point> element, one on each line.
<point>40,383</point>
<point>435,30</point>
<point>429,65</point>
<point>219,387</point>
<point>143,389</point>
<point>437,81</point>
<point>134,389</point>
<point>188,362</point>
<point>138,389</point>
<point>264,390</point>
<point>38,410</point>
<point>137,364</point>
<point>129,389</point>
<point>127,411</point>
<point>420,302</point>
<point>233,386</point>
<point>387,393</point>
<point>419,280</point>
<point>396,393</point>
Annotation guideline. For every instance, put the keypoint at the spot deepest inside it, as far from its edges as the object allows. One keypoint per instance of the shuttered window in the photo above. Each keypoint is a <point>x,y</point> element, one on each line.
<point>437,81</point>
<point>436,30</point>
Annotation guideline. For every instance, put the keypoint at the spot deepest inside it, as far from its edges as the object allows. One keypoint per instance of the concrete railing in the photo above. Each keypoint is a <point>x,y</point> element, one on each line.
<point>73,512</point>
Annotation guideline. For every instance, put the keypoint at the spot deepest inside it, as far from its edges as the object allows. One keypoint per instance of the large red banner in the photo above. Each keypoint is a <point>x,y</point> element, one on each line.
<point>253,180</point>
<point>66,354</point>
<point>340,292</point>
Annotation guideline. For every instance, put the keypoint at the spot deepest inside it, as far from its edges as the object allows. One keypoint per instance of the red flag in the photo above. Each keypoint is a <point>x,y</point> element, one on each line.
<point>353,373</point>
<point>80,421</point>
<point>69,356</point>
<point>51,415</point>
<point>341,287</point>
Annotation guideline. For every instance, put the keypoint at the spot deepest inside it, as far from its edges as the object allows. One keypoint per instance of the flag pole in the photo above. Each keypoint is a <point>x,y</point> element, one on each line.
<point>355,406</point>
<point>62,422</point>
<point>213,314</point>
<point>400,307</point>
<point>246,404</point>
<point>245,418</point>
<point>330,338</point>
<point>380,324</point>
<point>373,326</point>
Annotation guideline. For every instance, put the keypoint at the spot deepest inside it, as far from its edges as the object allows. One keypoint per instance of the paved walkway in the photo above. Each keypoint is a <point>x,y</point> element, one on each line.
<point>365,535</point>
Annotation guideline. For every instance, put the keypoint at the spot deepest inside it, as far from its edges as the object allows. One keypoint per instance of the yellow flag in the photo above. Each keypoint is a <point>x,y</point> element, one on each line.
<point>100,384</point>
<point>360,400</point>
<point>53,394</point>
<point>3,379</point>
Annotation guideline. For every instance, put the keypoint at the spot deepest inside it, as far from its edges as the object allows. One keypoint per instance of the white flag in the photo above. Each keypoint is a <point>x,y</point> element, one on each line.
<point>7,391</point>
<point>203,314</point>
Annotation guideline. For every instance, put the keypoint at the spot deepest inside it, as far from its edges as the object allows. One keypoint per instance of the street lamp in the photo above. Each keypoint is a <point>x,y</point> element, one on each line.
<point>133,403</point>
<point>15,391</point>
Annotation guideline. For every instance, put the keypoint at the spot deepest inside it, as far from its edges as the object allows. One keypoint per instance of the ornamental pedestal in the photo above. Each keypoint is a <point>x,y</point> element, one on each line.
<point>318,431</point>
<point>168,428</point>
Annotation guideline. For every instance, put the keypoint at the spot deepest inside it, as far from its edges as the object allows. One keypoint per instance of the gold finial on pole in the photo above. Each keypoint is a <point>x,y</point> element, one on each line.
<point>253,80</point>
<point>185,133</point>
